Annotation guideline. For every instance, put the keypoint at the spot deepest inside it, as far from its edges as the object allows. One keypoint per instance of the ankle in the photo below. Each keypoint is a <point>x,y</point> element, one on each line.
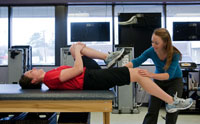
<point>105,57</point>
<point>171,101</point>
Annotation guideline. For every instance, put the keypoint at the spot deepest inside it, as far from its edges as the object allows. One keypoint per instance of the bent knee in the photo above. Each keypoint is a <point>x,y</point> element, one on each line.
<point>134,70</point>
<point>134,75</point>
<point>72,51</point>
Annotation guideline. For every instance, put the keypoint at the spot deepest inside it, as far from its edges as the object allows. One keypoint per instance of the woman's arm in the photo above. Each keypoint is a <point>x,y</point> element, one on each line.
<point>129,65</point>
<point>77,69</point>
<point>140,59</point>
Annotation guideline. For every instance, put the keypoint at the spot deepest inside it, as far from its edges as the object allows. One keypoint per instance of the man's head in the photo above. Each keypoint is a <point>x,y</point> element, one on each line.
<point>32,79</point>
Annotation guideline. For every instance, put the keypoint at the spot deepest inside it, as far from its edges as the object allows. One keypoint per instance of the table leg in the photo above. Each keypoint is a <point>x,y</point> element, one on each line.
<point>106,117</point>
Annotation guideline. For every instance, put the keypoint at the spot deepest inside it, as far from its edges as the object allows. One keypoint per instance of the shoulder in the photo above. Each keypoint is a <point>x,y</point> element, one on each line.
<point>149,51</point>
<point>59,68</point>
<point>176,56</point>
<point>63,67</point>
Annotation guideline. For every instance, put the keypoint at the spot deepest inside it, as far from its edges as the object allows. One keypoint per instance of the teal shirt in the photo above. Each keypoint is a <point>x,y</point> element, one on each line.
<point>174,69</point>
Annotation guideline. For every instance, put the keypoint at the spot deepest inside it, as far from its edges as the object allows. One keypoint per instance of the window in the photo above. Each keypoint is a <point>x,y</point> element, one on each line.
<point>136,10</point>
<point>35,26</point>
<point>91,16</point>
<point>185,13</point>
<point>3,35</point>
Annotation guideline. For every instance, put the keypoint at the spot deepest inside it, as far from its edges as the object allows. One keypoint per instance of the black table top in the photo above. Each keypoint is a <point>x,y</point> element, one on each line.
<point>14,92</point>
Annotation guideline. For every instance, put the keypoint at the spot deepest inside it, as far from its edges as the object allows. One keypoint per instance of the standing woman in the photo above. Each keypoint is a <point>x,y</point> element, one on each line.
<point>168,74</point>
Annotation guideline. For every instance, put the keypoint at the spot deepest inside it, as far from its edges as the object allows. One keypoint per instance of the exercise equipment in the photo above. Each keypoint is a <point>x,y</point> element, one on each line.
<point>66,57</point>
<point>125,102</point>
<point>19,61</point>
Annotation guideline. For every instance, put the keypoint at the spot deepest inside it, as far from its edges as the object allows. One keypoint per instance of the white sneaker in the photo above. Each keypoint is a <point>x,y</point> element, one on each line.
<point>113,57</point>
<point>179,104</point>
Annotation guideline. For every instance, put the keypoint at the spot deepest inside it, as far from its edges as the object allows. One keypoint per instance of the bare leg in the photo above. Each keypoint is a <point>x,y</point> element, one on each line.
<point>91,53</point>
<point>149,86</point>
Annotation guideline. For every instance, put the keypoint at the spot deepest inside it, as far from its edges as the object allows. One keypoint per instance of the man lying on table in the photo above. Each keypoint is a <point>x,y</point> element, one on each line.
<point>79,77</point>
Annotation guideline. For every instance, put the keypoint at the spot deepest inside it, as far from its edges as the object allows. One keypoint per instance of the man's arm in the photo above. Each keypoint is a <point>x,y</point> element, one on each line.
<point>77,69</point>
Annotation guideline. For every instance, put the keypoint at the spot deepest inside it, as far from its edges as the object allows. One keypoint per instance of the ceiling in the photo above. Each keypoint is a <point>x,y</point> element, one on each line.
<point>43,2</point>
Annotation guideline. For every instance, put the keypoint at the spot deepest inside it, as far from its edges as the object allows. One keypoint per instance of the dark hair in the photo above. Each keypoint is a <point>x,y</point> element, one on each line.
<point>25,83</point>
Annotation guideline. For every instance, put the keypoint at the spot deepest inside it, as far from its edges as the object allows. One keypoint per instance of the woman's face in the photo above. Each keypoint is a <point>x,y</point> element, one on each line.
<point>157,43</point>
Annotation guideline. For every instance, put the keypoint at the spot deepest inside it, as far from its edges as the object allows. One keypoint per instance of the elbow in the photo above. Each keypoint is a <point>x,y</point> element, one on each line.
<point>168,77</point>
<point>79,70</point>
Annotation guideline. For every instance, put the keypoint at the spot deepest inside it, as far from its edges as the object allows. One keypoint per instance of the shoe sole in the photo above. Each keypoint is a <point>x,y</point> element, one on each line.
<point>176,109</point>
<point>122,56</point>
<point>115,59</point>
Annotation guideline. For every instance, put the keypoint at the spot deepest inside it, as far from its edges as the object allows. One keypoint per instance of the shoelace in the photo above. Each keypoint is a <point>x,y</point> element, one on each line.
<point>181,101</point>
<point>114,53</point>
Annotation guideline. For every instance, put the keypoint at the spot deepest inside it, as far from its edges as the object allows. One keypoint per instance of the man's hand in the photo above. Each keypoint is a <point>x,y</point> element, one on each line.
<point>79,47</point>
<point>80,43</point>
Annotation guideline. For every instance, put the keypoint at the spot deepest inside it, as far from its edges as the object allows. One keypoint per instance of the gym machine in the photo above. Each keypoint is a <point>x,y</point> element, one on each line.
<point>125,102</point>
<point>19,61</point>
<point>66,57</point>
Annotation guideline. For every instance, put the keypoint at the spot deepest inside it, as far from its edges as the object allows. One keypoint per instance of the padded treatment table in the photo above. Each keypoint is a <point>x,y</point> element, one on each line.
<point>15,99</point>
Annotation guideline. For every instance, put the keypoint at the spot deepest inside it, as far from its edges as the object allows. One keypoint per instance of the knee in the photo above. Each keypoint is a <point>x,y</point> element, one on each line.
<point>72,50</point>
<point>134,71</point>
<point>134,75</point>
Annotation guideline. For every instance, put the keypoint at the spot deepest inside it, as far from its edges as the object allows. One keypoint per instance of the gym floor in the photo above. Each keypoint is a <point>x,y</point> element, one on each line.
<point>96,118</point>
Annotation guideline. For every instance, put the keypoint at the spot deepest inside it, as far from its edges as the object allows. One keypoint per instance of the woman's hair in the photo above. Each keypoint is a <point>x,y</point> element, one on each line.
<point>25,83</point>
<point>171,50</point>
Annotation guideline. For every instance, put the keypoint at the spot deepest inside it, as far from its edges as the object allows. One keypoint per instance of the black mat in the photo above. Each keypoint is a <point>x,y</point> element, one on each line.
<point>14,92</point>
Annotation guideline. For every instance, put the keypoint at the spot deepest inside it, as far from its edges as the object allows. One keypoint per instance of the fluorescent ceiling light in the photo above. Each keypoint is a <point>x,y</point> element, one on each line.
<point>188,14</point>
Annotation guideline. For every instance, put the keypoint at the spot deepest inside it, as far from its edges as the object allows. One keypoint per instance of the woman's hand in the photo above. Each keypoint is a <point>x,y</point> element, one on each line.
<point>145,73</point>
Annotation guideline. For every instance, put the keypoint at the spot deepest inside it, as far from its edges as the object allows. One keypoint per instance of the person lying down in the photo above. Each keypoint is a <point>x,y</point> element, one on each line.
<point>86,74</point>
